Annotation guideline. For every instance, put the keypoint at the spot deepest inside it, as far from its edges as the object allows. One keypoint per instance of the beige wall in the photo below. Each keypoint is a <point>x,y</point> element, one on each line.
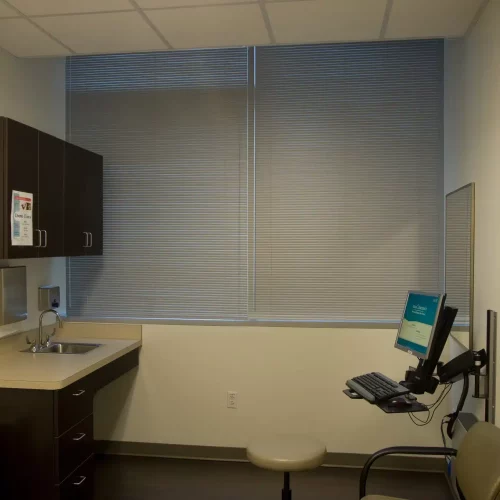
<point>288,380</point>
<point>472,151</point>
<point>33,92</point>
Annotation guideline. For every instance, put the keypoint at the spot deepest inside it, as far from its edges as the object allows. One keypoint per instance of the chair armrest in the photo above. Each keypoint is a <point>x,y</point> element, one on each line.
<point>399,450</point>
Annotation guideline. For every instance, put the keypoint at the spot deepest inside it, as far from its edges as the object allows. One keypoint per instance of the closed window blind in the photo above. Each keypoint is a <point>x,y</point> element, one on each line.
<point>459,252</point>
<point>348,179</point>
<point>172,128</point>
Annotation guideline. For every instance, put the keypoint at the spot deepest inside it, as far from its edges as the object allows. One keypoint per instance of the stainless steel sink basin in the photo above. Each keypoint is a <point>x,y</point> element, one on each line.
<point>67,348</point>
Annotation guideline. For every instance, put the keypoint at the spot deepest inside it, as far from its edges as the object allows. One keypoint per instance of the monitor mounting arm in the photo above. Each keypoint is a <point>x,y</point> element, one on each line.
<point>469,362</point>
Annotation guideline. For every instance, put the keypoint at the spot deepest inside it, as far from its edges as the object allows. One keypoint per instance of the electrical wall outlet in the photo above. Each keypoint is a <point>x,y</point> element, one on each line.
<point>232,400</point>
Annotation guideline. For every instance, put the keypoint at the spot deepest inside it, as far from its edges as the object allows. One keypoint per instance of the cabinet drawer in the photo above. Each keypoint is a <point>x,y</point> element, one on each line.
<point>80,485</point>
<point>73,404</point>
<point>74,447</point>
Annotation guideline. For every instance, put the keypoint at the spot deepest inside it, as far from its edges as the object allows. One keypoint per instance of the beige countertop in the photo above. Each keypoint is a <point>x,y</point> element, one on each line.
<point>22,370</point>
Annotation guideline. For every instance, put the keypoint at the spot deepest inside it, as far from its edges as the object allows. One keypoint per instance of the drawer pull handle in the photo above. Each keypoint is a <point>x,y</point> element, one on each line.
<point>79,483</point>
<point>80,436</point>
<point>79,393</point>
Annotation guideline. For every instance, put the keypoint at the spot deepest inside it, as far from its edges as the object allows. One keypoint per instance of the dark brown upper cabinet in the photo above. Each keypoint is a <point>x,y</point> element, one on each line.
<point>83,227</point>
<point>50,203</point>
<point>19,173</point>
<point>66,183</point>
<point>95,215</point>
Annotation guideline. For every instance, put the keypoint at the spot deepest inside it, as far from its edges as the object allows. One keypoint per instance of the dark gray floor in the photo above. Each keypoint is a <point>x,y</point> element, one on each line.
<point>138,478</point>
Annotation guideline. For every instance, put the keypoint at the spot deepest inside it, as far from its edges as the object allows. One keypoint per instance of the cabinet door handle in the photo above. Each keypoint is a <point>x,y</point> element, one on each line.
<point>39,238</point>
<point>46,238</point>
<point>91,240</point>
<point>86,239</point>
<point>79,393</point>
<point>82,480</point>
<point>80,436</point>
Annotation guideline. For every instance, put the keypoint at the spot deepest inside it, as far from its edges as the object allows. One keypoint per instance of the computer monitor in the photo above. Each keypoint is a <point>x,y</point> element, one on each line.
<point>418,323</point>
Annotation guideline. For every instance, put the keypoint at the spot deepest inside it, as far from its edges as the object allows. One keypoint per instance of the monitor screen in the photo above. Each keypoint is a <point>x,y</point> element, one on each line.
<point>416,330</point>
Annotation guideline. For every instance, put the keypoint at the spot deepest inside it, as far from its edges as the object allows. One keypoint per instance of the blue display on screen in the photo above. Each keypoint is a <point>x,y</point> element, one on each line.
<point>418,322</point>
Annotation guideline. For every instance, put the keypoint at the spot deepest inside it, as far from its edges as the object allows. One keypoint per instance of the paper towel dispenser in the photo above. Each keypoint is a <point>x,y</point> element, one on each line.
<point>13,295</point>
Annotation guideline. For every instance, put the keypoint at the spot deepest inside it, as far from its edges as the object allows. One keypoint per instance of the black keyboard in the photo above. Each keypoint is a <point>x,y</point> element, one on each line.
<point>375,387</point>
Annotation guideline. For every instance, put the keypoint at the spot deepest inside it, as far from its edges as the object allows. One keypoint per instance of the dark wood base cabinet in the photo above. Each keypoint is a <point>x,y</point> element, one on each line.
<point>46,437</point>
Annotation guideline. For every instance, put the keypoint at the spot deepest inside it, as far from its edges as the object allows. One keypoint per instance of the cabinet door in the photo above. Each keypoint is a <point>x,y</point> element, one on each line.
<point>93,202</point>
<point>75,239</point>
<point>27,457</point>
<point>21,164</point>
<point>51,200</point>
<point>4,223</point>
<point>83,207</point>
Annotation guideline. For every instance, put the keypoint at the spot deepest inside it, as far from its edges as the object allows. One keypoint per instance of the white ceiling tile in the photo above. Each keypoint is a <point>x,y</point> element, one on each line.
<point>326,20</point>
<point>50,7</point>
<point>6,11</point>
<point>221,26</point>
<point>155,4</point>
<point>103,33</point>
<point>431,18</point>
<point>22,39</point>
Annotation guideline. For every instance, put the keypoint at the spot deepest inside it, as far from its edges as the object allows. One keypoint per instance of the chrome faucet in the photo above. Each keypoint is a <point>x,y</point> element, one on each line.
<point>39,343</point>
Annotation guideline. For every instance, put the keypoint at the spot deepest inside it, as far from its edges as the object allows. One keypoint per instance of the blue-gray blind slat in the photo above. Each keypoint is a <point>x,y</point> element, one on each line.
<point>349,179</point>
<point>172,128</point>
<point>459,251</point>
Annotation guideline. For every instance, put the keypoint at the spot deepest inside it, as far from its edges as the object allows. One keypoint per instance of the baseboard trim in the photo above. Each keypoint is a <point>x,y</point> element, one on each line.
<point>349,460</point>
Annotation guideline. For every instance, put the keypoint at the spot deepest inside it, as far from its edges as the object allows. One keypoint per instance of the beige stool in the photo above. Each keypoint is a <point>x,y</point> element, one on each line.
<point>286,453</point>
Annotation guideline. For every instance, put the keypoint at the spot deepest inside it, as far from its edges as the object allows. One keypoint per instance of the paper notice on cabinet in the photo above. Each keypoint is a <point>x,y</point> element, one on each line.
<point>22,219</point>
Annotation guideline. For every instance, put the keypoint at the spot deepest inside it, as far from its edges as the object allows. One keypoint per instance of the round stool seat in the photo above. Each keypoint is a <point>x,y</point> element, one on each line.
<point>286,453</point>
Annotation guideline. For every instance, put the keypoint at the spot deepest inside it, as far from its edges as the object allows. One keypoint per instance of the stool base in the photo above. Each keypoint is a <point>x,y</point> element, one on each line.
<point>286,492</point>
